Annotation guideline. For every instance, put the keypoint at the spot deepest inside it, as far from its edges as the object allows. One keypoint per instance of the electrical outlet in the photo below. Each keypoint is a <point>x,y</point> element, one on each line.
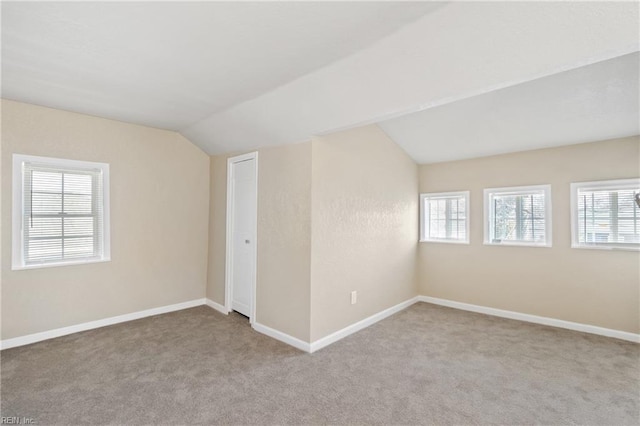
<point>354,297</point>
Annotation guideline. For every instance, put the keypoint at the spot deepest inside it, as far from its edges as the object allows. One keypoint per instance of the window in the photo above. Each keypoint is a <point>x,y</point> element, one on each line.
<point>518,216</point>
<point>605,214</point>
<point>443,217</point>
<point>60,212</point>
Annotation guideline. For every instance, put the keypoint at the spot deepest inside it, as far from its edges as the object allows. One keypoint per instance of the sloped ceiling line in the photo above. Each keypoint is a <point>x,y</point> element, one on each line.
<point>233,76</point>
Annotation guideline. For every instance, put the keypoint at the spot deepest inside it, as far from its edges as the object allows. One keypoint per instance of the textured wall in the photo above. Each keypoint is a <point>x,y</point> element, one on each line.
<point>594,287</point>
<point>217,228</point>
<point>284,200</point>
<point>284,238</point>
<point>364,227</point>
<point>334,215</point>
<point>159,221</point>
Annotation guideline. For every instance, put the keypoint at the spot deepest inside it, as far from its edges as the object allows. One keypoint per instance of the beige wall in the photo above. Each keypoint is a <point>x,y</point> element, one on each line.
<point>284,239</point>
<point>217,228</point>
<point>364,227</point>
<point>594,287</point>
<point>159,221</point>
<point>334,215</point>
<point>283,270</point>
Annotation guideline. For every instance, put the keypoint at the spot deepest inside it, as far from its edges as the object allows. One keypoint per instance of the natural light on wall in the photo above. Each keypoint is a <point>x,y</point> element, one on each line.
<point>606,214</point>
<point>60,212</point>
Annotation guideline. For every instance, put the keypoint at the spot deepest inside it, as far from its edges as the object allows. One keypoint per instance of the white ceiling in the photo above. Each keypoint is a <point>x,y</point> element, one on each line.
<point>594,102</point>
<point>234,76</point>
<point>454,52</point>
<point>170,64</point>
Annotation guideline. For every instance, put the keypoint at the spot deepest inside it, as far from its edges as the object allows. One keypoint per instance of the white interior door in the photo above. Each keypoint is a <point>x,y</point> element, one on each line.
<point>243,234</point>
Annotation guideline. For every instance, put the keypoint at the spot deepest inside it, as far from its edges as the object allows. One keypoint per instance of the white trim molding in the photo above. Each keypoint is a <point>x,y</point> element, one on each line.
<point>604,185</point>
<point>228,288</point>
<point>327,340</point>
<point>353,328</point>
<point>102,234</point>
<point>425,212</point>
<point>64,331</point>
<point>283,337</point>
<point>333,337</point>
<point>585,328</point>
<point>218,307</point>
<point>489,213</point>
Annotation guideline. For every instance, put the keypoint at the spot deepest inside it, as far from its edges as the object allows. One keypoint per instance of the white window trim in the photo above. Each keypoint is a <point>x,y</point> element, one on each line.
<point>548,226</point>
<point>602,185</point>
<point>17,238</point>
<point>435,195</point>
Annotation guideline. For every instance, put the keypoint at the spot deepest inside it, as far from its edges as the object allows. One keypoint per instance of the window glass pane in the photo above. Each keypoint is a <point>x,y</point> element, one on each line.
<point>607,217</point>
<point>78,247</point>
<point>437,226</point>
<point>77,204</point>
<point>45,227</point>
<point>75,226</point>
<point>445,217</point>
<point>62,214</point>
<point>517,215</point>
<point>45,203</point>
<point>77,183</point>
<point>46,181</point>
<point>520,217</point>
<point>41,250</point>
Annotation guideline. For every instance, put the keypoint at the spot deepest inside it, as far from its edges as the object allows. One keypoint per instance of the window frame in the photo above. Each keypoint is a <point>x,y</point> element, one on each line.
<point>18,240</point>
<point>518,190</point>
<point>611,184</point>
<point>424,238</point>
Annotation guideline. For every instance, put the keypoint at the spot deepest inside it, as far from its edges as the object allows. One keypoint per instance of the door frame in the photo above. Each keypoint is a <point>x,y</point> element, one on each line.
<point>228,288</point>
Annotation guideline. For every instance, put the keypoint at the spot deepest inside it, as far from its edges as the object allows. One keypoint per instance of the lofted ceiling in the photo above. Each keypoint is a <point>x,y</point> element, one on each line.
<point>444,80</point>
<point>594,102</point>
<point>170,64</point>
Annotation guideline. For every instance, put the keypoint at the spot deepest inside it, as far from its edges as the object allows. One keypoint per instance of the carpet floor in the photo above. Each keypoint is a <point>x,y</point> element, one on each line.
<point>425,365</point>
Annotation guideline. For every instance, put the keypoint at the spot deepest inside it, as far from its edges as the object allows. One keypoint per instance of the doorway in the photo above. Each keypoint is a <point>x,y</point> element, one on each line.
<point>242,207</point>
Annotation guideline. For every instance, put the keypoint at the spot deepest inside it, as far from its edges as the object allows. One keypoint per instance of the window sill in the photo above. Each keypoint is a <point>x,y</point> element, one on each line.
<point>58,264</point>
<point>606,248</point>
<point>445,241</point>
<point>515,244</point>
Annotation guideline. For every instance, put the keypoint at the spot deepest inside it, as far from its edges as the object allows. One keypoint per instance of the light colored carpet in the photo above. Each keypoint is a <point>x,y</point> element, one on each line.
<point>424,365</point>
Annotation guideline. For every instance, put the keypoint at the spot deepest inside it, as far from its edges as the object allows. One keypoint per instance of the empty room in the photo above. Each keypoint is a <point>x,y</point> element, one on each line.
<point>392,213</point>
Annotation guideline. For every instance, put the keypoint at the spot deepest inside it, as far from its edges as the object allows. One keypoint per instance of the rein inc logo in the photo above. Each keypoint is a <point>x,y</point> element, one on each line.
<point>16,420</point>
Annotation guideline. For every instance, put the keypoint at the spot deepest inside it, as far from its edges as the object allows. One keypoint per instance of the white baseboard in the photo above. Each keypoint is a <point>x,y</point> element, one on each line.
<point>327,340</point>
<point>631,337</point>
<point>58,332</point>
<point>334,337</point>
<point>283,337</point>
<point>353,328</point>
<point>218,307</point>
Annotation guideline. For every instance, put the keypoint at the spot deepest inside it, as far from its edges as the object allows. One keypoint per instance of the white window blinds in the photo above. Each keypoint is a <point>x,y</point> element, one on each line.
<point>518,215</point>
<point>62,214</point>
<point>444,217</point>
<point>606,214</point>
